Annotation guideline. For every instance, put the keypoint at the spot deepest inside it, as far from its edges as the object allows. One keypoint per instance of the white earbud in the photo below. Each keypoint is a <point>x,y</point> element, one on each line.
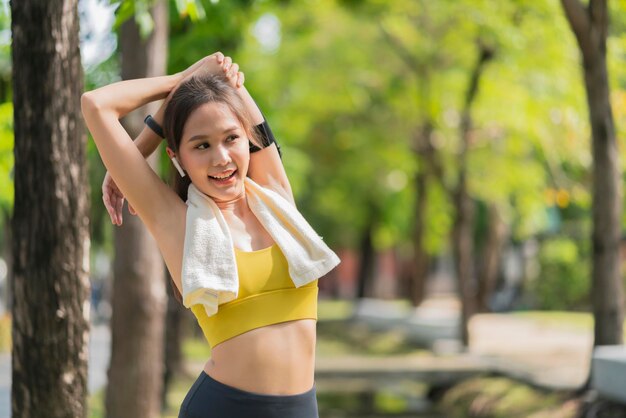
<point>178,167</point>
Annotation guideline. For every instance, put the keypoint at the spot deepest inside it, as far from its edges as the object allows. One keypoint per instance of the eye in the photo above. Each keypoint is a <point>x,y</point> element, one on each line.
<point>232,138</point>
<point>204,143</point>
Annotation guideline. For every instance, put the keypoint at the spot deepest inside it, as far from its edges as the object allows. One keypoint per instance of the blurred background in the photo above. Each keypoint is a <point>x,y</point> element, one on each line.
<point>442,148</point>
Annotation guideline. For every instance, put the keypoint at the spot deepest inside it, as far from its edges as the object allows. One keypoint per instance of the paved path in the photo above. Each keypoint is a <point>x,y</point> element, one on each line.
<point>541,354</point>
<point>99,354</point>
<point>423,368</point>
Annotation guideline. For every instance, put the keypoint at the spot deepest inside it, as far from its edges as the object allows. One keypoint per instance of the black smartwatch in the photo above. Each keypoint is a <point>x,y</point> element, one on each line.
<point>264,133</point>
<point>152,124</point>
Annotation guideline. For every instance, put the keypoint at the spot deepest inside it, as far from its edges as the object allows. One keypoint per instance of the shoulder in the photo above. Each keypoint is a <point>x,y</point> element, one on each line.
<point>266,169</point>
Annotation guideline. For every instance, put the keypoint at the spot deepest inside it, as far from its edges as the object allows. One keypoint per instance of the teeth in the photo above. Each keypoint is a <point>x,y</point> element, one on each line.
<point>222,178</point>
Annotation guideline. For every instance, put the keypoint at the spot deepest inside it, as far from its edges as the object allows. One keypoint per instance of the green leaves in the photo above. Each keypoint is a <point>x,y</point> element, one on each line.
<point>6,157</point>
<point>140,11</point>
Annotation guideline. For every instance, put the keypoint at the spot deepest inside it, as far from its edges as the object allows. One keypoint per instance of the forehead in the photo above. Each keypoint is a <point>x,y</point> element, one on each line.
<point>210,119</point>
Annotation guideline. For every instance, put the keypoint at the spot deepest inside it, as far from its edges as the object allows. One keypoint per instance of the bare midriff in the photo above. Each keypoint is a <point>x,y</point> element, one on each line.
<point>277,359</point>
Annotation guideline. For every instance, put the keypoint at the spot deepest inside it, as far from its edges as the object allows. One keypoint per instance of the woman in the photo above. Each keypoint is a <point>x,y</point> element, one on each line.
<point>262,360</point>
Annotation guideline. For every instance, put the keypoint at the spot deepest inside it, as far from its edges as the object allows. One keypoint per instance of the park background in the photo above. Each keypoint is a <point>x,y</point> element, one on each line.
<point>443,149</point>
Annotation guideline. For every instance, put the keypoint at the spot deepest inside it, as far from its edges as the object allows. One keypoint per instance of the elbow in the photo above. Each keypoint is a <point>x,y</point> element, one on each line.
<point>88,102</point>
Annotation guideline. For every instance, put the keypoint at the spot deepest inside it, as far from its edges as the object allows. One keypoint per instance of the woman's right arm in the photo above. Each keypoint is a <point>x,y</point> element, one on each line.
<point>146,142</point>
<point>102,108</point>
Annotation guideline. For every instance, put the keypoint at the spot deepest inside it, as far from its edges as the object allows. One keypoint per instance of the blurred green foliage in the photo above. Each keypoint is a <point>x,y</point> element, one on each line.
<point>6,157</point>
<point>564,279</point>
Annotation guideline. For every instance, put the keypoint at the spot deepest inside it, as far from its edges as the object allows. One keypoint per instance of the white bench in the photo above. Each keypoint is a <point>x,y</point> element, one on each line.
<point>608,372</point>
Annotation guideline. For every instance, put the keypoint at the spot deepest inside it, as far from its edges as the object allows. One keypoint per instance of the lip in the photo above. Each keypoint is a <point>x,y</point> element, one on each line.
<point>224,182</point>
<point>223,173</point>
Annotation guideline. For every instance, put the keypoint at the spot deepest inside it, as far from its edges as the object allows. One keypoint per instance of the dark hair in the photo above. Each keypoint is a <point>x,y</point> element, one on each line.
<point>191,94</point>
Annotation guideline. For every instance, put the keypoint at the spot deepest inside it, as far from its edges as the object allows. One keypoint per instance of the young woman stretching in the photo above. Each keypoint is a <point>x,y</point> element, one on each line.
<point>263,342</point>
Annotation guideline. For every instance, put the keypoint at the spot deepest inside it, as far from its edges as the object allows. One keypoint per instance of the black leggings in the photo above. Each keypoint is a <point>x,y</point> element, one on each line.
<point>209,398</point>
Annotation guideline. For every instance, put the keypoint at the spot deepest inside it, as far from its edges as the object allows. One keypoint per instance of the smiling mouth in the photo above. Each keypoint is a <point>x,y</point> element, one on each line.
<point>224,179</point>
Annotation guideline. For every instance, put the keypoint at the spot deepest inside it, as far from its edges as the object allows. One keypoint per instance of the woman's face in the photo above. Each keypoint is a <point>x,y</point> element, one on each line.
<point>214,145</point>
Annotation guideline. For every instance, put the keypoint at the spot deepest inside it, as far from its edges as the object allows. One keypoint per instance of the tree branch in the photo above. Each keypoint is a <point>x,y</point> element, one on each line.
<point>578,18</point>
<point>402,51</point>
<point>599,14</point>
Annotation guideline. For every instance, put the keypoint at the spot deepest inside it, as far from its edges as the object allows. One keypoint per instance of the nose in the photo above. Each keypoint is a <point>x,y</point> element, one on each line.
<point>220,156</point>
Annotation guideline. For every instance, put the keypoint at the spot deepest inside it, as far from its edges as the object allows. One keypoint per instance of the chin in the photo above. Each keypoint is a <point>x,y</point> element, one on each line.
<point>226,194</point>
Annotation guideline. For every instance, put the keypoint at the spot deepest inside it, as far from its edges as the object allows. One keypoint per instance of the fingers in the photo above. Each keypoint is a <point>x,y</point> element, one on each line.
<point>219,56</point>
<point>113,199</point>
<point>240,79</point>
<point>111,203</point>
<point>233,70</point>
<point>227,63</point>
<point>232,73</point>
<point>107,204</point>
<point>107,194</point>
<point>118,209</point>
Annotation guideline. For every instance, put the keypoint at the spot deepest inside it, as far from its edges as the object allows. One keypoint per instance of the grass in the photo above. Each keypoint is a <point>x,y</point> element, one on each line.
<point>499,397</point>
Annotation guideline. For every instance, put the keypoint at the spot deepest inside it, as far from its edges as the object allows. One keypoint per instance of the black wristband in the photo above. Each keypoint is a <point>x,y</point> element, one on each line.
<point>264,133</point>
<point>152,124</point>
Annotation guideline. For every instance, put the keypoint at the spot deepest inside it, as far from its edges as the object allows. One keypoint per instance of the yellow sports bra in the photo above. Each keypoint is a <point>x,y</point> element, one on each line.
<point>267,295</point>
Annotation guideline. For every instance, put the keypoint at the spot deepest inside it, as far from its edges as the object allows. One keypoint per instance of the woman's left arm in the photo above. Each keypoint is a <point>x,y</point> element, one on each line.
<point>266,167</point>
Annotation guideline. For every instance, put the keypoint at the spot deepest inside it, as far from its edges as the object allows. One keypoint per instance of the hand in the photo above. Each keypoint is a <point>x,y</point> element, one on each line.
<point>216,64</point>
<point>114,200</point>
<point>231,71</point>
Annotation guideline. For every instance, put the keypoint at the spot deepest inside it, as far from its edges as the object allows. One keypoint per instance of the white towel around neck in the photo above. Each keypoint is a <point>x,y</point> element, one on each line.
<point>209,271</point>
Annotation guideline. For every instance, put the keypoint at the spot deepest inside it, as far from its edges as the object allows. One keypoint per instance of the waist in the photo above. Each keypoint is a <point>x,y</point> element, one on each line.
<point>277,359</point>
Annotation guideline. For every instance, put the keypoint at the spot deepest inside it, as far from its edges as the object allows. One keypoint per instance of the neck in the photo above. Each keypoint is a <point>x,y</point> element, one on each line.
<point>237,206</point>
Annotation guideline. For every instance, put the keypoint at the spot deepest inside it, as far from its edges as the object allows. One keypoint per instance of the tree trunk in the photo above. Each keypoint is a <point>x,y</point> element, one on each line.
<point>8,256</point>
<point>425,154</point>
<point>420,256</point>
<point>462,234</point>
<point>463,248</point>
<point>366,264</point>
<point>136,373</point>
<point>50,225</point>
<point>590,26</point>
<point>492,254</point>
<point>174,333</point>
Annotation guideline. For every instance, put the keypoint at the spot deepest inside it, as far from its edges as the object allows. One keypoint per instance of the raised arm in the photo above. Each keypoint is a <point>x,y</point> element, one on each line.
<point>266,167</point>
<point>102,108</point>
<point>146,142</point>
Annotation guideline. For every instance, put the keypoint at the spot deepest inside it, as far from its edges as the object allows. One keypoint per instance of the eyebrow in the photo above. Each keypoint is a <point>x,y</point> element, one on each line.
<point>203,136</point>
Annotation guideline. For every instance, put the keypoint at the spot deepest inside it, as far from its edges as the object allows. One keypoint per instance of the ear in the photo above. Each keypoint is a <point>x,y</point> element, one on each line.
<point>170,153</point>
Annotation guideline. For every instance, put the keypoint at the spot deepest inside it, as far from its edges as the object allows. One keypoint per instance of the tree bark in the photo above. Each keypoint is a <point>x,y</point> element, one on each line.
<point>50,225</point>
<point>425,154</point>
<point>420,256</point>
<point>135,375</point>
<point>366,263</point>
<point>8,256</point>
<point>590,26</point>
<point>462,234</point>
<point>174,333</point>
<point>492,254</point>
